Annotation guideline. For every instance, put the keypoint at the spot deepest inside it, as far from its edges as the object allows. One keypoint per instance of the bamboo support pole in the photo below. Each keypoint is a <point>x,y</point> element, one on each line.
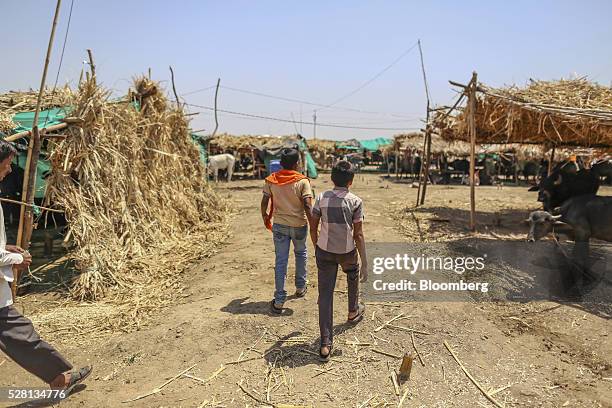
<point>8,200</point>
<point>29,177</point>
<point>472,129</point>
<point>41,132</point>
<point>216,118</point>
<point>397,153</point>
<point>178,102</point>
<point>92,66</point>
<point>418,200</point>
<point>550,161</point>
<point>426,160</point>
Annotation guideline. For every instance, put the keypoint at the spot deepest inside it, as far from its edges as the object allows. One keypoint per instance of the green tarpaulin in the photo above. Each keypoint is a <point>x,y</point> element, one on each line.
<point>197,140</point>
<point>347,147</point>
<point>373,145</point>
<point>46,118</point>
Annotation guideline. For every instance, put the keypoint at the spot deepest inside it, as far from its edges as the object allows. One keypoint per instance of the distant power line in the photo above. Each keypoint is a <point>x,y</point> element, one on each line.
<point>294,100</point>
<point>375,77</point>
<point>199,90</point>
<point>249,115</point>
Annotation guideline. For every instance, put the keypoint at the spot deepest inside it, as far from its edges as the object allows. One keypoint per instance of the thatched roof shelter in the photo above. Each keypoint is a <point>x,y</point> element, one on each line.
<point>414,141</point>
<point>226,141</point>
<point>561,113</point>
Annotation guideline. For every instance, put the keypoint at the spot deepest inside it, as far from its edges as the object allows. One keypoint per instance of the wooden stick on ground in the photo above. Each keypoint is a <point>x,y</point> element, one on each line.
<point>416,349</point>
<point>485,393</point>
<point>366,402</point>
<point>209,379</point>
<point>158,389</point>
<point>384,353</point>
<point>379,328</point>
<point>399,405</point>
<point>395,384</point>
<point>247,392</point>
<point>393,326</point>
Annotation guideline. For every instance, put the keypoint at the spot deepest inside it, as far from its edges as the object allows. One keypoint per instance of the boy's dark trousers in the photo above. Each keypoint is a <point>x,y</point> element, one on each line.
<point>21,343</point>
<point>327,265</point>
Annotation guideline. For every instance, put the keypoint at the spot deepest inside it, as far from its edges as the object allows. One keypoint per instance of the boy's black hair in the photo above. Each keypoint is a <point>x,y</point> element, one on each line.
<point>289,158</point>
<point>6,150</point>
<point>342,173</point>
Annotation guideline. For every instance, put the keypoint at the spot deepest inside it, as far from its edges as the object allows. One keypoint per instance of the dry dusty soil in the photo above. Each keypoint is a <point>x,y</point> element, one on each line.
<point>525,354</point>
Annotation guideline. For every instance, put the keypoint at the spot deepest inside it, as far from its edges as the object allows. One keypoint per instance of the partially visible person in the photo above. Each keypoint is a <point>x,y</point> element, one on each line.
<point>290,195</point>
<point>340,240</point>
<point>18,338</point>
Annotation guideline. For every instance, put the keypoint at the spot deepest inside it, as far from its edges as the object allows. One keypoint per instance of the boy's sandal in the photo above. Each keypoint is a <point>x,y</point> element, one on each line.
<point>275,309</point>
<point>77,377</point>
<point>301,292</point>
<point>324,358</point>
<point>359,316</point>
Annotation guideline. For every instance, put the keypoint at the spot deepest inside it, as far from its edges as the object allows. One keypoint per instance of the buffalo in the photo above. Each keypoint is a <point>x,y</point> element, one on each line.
<point>565,182</point>
<point>586,216</point>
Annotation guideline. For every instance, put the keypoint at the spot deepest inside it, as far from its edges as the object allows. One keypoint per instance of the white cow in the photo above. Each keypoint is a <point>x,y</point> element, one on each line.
<point>221,162</point>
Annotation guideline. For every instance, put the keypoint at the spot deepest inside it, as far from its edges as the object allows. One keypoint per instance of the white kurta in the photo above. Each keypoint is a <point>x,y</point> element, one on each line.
<point>7,260</point>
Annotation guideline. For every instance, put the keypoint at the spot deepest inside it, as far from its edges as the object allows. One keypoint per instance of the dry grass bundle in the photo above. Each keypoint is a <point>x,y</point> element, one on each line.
<point>564,113</point>
<point>138,205</point>
<point>6,122</point>
<point>14,102</point>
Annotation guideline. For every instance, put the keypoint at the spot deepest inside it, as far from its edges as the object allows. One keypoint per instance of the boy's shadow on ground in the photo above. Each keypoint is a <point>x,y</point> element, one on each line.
<point>302,354</point>
<point>238,306</point>
<point>48,402</point>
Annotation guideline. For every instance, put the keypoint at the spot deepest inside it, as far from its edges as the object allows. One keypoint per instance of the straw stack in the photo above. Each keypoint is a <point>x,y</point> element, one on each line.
<point>136,199</point>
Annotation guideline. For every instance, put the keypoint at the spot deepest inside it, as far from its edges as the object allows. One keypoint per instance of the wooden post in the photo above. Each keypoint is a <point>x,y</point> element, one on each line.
<point>472,129</point>
<point>397,153</point>
<point>178,102</point>
<point>550,161</point>
<point>418,200</point>
<point>424,173</point>
<point>29,177</point>
<point>387,160</point>
<point>427,158</point>
<point>216,119</point>
<point>92,65</point>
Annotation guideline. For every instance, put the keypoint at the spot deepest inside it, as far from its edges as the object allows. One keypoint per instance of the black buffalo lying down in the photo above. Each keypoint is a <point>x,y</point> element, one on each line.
<point>589,216</point>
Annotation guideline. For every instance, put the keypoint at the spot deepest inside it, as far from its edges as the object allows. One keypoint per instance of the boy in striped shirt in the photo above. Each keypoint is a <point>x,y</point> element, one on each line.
<point>340,240</point>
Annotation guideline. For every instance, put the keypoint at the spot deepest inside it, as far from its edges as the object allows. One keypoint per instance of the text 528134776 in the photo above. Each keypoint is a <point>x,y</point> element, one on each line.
<point>12,394</point>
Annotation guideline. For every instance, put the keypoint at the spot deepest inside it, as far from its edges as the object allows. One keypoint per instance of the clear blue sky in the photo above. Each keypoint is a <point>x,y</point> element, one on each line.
<point>315,51</point>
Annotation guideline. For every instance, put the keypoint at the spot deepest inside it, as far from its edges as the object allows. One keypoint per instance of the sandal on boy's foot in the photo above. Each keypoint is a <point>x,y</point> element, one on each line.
<point>77,377</point>
<point>324,358</point>
<point>359,316</point>
<point>301,292</point>
<point>274,308</point>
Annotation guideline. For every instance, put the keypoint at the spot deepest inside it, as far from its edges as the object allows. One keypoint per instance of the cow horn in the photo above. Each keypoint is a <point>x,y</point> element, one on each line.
<point>556,217</point>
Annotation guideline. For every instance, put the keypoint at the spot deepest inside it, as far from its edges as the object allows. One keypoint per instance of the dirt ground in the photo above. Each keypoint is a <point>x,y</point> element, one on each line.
<point>529,354</point>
